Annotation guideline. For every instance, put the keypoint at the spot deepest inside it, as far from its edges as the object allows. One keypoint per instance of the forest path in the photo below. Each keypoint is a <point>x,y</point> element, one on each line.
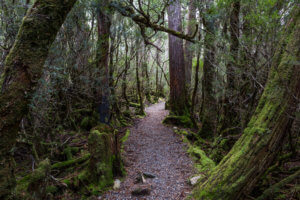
<point>156,149</point>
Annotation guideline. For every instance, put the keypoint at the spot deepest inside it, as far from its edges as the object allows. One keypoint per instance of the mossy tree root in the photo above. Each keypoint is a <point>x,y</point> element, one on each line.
<point>271,191</point>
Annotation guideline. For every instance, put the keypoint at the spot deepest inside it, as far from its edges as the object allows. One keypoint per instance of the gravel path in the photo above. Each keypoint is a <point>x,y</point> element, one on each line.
<point>156,149</point>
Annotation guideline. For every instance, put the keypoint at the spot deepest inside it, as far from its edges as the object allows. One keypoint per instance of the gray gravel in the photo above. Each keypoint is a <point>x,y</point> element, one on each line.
<point>156,149</point>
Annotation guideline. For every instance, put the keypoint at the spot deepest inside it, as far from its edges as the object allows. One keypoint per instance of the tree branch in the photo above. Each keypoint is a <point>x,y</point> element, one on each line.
<point>127,11</point>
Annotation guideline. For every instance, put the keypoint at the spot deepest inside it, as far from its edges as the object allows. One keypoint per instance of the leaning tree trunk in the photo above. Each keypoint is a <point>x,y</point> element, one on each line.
<point>23,69</point>
<point>252,154</point>
<point>178,102</point>
<point>103,101</point>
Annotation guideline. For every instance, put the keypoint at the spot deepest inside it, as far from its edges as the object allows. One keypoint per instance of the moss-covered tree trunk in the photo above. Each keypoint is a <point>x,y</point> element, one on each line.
<point>252,154</point>
<point>178,97</point>
<point>23,69</point>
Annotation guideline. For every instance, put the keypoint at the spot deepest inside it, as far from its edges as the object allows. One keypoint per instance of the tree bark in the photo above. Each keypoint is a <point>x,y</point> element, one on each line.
<point>138,83</point>
<point>178,102</point>
<point>23,69</point>
<point>103,97</point>
<point>209,103</point>
<point>148,88</point>
<point>252,154</point>
<point>230,118</point>
<point>194,95</point>
<point>187,49</point>
<point>157,95</point>
<point>124,78</point>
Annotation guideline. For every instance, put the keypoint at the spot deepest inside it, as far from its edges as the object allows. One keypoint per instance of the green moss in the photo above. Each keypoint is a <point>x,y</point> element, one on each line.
<point>102,160</point>
<point>67,182</point>
<point>204,163</point>
<point>125,137</point>
<point>25,63</point>
<point>183,132</point>
<point>127,114</point>
<point>51,189</point>
<point>68,153</point>
<point>61,165</point>
<point>274,189</point>
<point>124,122</point>
<point>22,184</point>
<point>184,121</point>
<point>241,165</point>
<point>85,122</point>
<point>89,122</point>
<point>41,172</point>
<point>135,105</point>
<point>103,128</point>
<point>140,115</point>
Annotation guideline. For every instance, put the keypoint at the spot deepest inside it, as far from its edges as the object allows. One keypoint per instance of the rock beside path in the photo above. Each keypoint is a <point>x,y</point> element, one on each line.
<point>141,190</point>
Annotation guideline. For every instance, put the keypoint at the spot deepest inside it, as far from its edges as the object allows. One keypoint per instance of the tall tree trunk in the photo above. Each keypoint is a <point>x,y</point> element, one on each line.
<point>147,89</point>
<point>114,102</point>
<point>196,84</point>
<point>209,103</point>
<point>252,154</point>
<point>194,95</point>
<point>103,97</point>
<point>156,77</point>
<point>124,77</point>
<point>191,28</point>
<point>23,69</point>
<point>247,84</point>
<point>231,117</point>
<point>138,84</point>
<point>178,97</point>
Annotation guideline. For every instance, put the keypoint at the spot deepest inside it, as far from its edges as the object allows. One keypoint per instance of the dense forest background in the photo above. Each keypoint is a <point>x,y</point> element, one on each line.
<point>71,70</point>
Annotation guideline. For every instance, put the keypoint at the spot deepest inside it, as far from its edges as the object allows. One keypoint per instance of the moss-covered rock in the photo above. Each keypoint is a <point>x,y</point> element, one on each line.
<point>183,121</point>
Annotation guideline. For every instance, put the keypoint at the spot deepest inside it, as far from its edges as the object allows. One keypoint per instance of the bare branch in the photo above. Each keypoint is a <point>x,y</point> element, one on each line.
<point>128,11</point>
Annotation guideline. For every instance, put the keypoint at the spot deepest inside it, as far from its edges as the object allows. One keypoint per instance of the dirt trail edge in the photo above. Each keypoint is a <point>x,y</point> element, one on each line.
<point>154,148</point>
